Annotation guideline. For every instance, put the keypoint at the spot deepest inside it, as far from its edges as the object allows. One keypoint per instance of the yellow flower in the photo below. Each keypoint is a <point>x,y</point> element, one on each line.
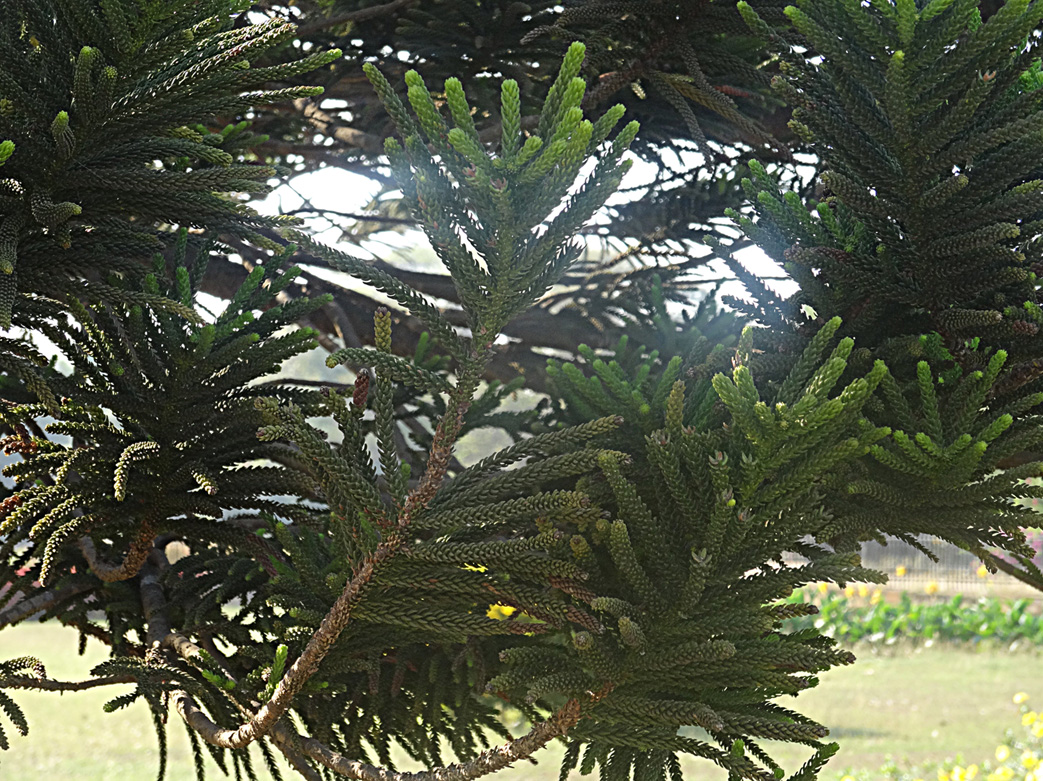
<point>932,587</point>
<point>849,592</point>
<point>942,775</point>
<point>1029,760</point>
<point>823,588</point>
<point>848,778</point>
<point>1002,753</point>
<point>500,611</point>
<point>863,590</point>
<point>1028,719</point>
<point>972,772</point>
<point>957,774</point>
<point>983,571</point>
<point>1020,697</point>
<point>876,597</point>
<point>1037,729</point>
<point>900,571</point>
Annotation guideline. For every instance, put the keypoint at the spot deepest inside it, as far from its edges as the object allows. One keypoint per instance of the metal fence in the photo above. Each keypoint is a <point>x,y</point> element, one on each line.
<point>955,572</point>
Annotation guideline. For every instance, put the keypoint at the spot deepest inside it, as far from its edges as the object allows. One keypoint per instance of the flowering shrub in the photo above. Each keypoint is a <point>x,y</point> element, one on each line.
<point>1020,756</point>
<point>862,614</point>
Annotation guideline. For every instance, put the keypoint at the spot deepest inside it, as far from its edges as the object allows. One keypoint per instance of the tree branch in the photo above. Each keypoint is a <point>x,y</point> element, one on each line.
<point>328,125</point>
<point>284,739</point>
<point>488,761</point>
<point>25,608</point>
<point>306,665</point>
<point>1005,566</point>
<point>160,635</point>
<point>362,15</point>
<point>139,551</point>
<point>324,638</point>
<point>49,685</point>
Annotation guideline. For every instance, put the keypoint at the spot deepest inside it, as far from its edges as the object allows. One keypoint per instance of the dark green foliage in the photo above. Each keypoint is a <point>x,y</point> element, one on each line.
<point>161,415</point>
<point>623,560</point>
<point>100,106</point>
<point>950,313</point>
<point>932,214</point>
<point>692,636</point>
<point>14,714</point>
<point>690,72</point>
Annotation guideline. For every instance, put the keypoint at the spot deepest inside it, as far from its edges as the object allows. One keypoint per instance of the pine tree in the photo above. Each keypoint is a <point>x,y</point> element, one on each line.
<point>618,572</point>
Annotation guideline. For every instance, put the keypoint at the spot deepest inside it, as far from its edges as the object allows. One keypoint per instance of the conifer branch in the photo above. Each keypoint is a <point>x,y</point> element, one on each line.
<point>362,15</point>
<point>282,736</point>
<point>51,685</point>
<point>44,600</point>
<point>307,664</point>
<point>153,602</point>
<point>131,564</point>
<point>488,761</point>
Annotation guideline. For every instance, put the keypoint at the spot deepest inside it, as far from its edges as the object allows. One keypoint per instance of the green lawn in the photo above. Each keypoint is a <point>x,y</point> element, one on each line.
<point>918,705</point>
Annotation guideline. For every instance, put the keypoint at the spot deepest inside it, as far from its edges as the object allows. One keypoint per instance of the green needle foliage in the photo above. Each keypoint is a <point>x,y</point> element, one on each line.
<point>101,145</point>
<point>618,574</point>
<point>949,311</point>
<point>162,419</point>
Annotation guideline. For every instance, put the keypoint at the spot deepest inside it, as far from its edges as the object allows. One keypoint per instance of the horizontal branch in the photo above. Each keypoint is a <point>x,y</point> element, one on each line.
<point>50,685</point>
<point>45,600</point>
<point>359,216</point>
<point>330,126</point>
<point>361,15</point>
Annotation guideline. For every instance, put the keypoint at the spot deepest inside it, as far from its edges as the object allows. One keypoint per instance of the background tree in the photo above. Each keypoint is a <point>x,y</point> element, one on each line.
<point>617,572</point>
<point>693,76</point>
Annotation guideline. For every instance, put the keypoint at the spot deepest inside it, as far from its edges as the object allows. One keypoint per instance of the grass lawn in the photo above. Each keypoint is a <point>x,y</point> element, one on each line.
<point>915,705</point>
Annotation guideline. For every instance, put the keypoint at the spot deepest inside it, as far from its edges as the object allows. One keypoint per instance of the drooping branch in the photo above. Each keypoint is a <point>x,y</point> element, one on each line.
<point>1005,566</point>
<point>485,763</point>
<point>139,551</point>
